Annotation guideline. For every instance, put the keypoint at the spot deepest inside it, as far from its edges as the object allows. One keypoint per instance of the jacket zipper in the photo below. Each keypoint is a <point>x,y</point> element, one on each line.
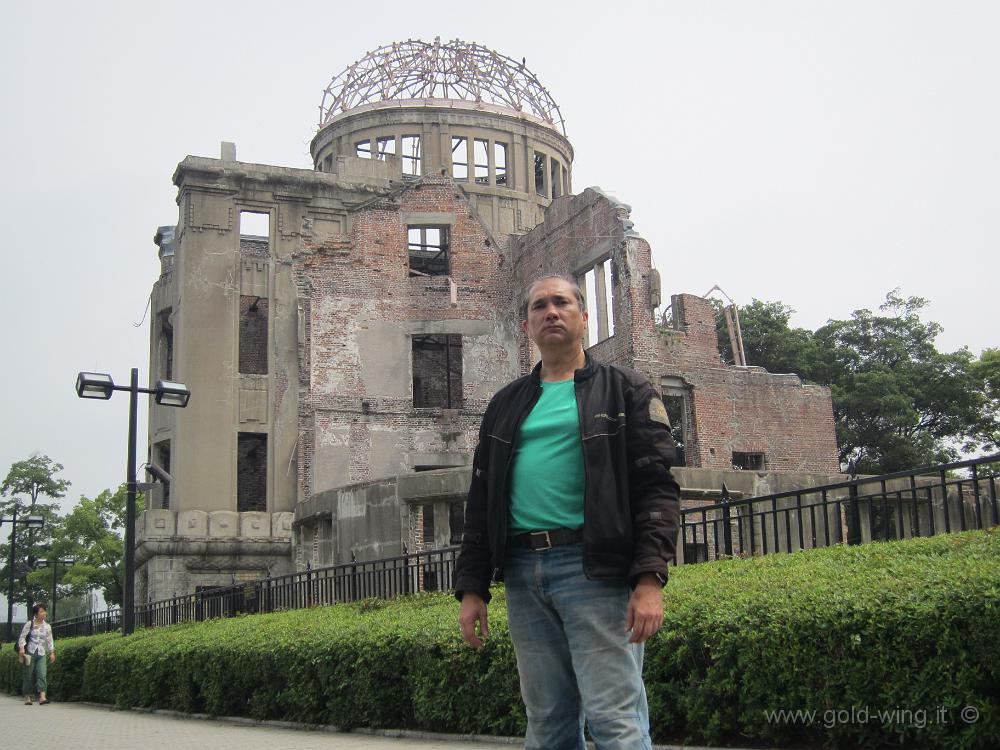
<point>505,495</point>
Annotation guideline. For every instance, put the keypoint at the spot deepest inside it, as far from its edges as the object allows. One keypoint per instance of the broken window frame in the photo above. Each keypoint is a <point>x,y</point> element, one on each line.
<point>600,312</point>
<point>409,149</point>
<point>381,144</point>
<point>259,501</point>
<point>363,149</point>
<point>460,167</point>
<point>540,175</point>
<point>749,461</point>
<point>161,453</point>
<point>554,184</point>
<point>500,164</point>
<point>481,161</point>
<point>253,362</point>
<point>255,224</point>
<point>166,344</point>
<point>677,401</point>
<point>451,344</point>
<point>438,264</point>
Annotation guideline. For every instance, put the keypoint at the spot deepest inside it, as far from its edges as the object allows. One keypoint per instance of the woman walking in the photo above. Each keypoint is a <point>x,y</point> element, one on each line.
<point>34,645</point>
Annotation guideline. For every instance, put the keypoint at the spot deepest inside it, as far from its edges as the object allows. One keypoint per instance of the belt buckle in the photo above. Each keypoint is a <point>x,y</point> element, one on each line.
<point>545,536</point>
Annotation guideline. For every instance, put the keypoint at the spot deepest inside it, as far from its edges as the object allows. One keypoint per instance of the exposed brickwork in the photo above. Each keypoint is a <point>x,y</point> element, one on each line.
<point>730,408</point>
<point>363,283</point>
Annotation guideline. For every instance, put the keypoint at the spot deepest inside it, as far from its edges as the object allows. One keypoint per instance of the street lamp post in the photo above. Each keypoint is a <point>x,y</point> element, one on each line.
<point>54,564</point>
<point>32,522</point>
<point>168,393</point>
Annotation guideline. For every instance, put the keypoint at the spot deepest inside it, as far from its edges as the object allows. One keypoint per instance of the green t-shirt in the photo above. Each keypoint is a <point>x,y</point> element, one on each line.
<point>547,477</point>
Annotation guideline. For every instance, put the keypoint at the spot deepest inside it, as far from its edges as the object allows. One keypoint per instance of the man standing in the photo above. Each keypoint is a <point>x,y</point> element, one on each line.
<point>572,503</point>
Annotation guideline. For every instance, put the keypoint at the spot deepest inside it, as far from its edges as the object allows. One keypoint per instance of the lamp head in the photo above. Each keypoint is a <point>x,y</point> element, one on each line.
<point>94,385</point>
<point>169,393</point>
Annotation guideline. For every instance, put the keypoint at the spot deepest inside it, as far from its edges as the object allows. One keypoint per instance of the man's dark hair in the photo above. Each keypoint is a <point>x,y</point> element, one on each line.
<point>38,606</point>
<point>577,292</point>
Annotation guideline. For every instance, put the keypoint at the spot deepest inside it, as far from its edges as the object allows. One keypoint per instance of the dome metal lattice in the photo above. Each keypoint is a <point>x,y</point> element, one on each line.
<point>455,70</point>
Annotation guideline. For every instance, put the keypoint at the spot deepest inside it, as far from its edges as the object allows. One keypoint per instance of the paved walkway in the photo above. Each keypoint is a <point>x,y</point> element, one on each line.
<point>86,726</point>
<point>89,727</point>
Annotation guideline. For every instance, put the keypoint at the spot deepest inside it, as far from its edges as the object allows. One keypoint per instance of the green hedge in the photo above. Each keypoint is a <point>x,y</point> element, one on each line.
<point>65,676</point>
<point>907,628</point>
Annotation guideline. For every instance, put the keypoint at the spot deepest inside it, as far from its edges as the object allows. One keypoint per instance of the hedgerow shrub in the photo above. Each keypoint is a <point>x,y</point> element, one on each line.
<point>907,627</point>
<point>65,677</point>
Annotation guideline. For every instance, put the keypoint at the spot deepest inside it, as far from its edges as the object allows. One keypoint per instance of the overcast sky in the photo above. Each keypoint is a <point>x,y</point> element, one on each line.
<point>817,153</point>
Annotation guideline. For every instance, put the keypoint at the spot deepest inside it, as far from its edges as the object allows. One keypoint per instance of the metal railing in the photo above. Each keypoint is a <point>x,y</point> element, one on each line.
<point>951,497</point>
<point>431,570</point>
<point>924,502</point>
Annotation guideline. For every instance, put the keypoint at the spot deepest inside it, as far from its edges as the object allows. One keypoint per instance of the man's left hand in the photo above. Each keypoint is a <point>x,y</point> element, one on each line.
<point>645,609</point>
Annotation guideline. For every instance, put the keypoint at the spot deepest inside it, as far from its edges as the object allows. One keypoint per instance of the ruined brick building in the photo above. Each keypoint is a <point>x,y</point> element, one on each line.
<point>342,328</point>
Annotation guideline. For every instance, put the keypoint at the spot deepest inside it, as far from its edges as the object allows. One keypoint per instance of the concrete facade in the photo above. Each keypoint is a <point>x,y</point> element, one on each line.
<point>342,329</point>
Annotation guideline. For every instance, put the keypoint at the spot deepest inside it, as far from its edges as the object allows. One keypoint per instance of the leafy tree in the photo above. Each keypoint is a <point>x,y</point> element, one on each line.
<point>898,402</point>
<point>35,477</point>
<point>92,534</point>
<point>768,340</point>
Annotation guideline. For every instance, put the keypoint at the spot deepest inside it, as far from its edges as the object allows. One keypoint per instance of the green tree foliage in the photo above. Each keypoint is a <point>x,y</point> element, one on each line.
<point>898,402</point>
<point>22,491</point>
<point>92,536</point>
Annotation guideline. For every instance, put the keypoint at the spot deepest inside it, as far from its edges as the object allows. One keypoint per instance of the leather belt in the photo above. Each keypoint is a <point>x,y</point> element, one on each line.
<point>540,540</point>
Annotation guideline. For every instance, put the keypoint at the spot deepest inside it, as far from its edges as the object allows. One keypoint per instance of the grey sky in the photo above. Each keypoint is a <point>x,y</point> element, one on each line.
<point>818,153</point>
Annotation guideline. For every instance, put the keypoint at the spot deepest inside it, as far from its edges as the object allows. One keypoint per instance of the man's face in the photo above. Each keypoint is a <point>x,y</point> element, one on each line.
<point>554,315</point>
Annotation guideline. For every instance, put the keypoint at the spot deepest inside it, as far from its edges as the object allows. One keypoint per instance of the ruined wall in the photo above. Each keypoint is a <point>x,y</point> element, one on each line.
<point>744,409</point>
<point>358,420</point>
<point>718,410</point>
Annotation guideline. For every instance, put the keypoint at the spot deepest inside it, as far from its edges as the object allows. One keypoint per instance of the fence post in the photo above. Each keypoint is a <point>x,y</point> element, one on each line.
<point>727,531</point>
<point>854,519</point>
<point>354,577</point>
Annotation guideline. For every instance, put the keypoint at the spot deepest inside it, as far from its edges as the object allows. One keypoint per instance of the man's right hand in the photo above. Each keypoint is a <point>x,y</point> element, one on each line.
<point>471,613</point>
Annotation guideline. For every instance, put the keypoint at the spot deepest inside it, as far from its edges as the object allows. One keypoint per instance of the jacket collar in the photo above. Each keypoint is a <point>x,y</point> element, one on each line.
<point>585,372</point>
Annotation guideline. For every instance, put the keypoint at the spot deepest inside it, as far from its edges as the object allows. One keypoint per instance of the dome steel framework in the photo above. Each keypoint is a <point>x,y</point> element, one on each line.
<point>455,70</point>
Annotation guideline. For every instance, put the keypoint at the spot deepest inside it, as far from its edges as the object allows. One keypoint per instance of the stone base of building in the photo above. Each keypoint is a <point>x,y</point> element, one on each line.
<point>181,553</point>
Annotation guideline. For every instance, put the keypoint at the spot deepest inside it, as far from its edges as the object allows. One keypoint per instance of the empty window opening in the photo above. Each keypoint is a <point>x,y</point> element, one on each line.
<point>255,224</point>
<point>165,346</point>
<point>500,163</point>
<point>597,288</point>
<point>540,174</point>
<point>363,149</point>
<point>459,157</point>
<point>427,511</point>
<point>481,160</point>
<point>410,150</point>
<point>456,522</point>
<point>251,472</point>
<point>748,461</point>
<point>554,178</point>
<point>386,146</point>
<point>428,248</point>
<point>675,399</point>
<point>253,335</point>
<point>161,457</point>
<point>437,371</point>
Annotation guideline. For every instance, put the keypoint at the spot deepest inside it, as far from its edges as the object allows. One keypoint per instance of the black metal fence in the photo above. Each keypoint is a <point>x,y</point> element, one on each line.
<point>951,497</point>
<point>432,570</point>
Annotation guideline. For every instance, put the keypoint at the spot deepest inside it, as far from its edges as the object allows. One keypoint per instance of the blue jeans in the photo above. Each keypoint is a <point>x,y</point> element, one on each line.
<point>573,654</point>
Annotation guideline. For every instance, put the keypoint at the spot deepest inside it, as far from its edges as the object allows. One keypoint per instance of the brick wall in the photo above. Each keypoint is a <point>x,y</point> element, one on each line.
<point>731,408</point>
<point>362,284</point>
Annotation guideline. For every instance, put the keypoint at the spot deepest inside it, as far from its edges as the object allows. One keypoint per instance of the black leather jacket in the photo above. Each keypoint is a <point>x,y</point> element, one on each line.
<point>631,499</point>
